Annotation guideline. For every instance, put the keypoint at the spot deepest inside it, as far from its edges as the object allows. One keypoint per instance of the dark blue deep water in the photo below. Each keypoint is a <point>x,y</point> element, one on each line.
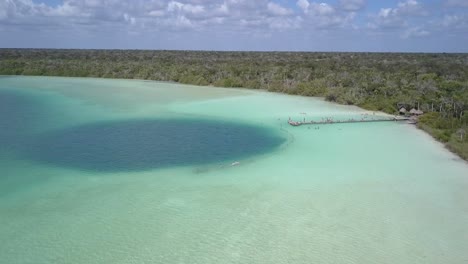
<point>19,115</point>
<point>127,145</point>
<point>146,144</point>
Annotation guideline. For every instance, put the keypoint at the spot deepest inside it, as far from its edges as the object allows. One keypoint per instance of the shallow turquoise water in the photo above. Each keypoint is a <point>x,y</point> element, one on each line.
<point>355,193</point>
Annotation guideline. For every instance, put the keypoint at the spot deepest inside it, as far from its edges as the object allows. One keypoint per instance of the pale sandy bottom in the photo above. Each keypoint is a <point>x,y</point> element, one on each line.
<point>355,193</point>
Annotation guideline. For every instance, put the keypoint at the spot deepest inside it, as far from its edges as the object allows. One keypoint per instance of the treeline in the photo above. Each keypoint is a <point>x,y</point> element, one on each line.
<point>435,83</point>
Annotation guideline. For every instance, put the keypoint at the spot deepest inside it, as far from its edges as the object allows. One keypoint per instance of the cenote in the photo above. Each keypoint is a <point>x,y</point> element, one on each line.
<point>133,145</point>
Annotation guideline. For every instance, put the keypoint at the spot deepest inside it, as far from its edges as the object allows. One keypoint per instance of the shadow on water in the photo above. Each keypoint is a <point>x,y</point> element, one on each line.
<point>135,145</point>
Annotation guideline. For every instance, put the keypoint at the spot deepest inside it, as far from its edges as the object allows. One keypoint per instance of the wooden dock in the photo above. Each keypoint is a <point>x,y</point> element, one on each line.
<point>349,121</point>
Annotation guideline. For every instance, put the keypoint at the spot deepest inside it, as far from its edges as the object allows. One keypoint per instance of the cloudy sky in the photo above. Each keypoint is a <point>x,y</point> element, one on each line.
<point>295,25</point>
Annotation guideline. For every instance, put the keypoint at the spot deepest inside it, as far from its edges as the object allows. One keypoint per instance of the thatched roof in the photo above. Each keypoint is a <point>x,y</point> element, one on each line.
<point>402,110</point>
<point>416,112</point>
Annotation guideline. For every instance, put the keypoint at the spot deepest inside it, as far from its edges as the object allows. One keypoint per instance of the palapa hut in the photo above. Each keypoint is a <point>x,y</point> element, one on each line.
<point>402,111</point>
<point>416,112</point>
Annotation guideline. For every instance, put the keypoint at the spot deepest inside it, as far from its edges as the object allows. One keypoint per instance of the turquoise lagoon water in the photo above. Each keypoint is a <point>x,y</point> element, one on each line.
<point>124,171</point>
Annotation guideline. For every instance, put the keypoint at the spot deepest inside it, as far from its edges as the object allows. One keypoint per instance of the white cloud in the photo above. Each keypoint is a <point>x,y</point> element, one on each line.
<point>321,9</point>
<point>455,21</point>
<point>397,17</point>
<point>450,20</point>
<point>411,7</point>
<point>161,14</point>
<point>235,16</point>
<point>388,18</point>
<point>415,32</point>
<point>285,23</point>
<point>157,13</point>
<point>181,22</point>
<point>456,3</point>
<point>323,15</point>
<point>352,5</point>
<point>66,10</point>
<point>129,18</point>
<point>278,10</point>
<point>303,4</point>
<point>221,9</point>
<point>174,6</point>
<point>4,5</point>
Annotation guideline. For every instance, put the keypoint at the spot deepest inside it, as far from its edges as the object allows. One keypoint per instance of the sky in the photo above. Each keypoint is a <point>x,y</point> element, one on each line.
<point>252,25</point>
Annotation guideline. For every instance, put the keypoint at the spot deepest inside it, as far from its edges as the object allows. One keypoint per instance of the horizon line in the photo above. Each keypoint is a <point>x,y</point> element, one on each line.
<point>239,51</point>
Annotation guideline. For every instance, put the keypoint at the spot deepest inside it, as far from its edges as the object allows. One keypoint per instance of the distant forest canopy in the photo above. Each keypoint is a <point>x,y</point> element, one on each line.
<point>435,83</point>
